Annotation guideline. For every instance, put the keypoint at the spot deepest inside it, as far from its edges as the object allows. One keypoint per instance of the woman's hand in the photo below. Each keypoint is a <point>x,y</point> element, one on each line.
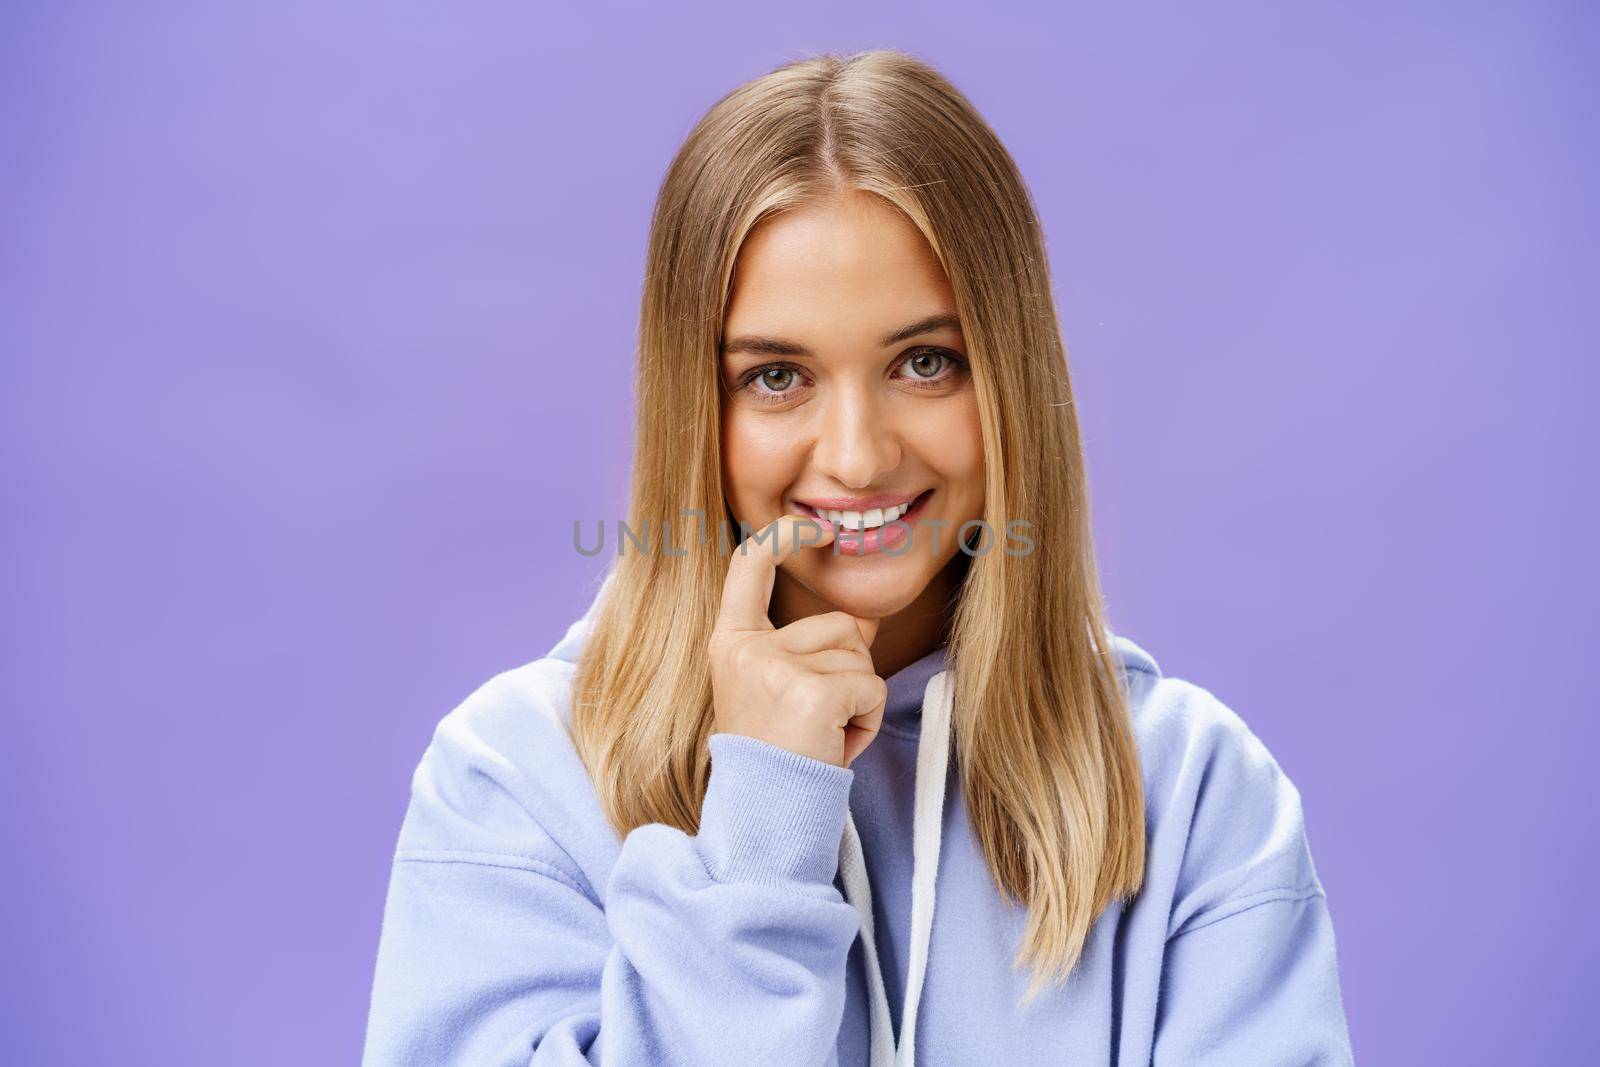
<point>809,687</point>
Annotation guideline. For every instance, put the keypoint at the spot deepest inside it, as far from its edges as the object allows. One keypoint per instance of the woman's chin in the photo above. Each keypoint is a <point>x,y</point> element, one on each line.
<point>871,593</point>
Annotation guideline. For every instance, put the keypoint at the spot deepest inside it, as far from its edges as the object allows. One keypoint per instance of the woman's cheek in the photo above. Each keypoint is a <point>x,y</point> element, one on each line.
<point>758,463</point>
<point>952,445</point>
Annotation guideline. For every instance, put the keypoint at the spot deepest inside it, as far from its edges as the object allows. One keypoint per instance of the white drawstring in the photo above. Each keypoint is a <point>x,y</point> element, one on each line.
<point>927,828</point>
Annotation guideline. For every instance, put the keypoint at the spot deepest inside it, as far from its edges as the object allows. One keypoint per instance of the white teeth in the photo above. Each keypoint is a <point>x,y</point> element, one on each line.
<point>864,520</point>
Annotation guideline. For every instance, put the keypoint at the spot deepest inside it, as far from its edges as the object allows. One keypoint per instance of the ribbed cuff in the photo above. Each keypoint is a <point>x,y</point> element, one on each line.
<point>771,815</point>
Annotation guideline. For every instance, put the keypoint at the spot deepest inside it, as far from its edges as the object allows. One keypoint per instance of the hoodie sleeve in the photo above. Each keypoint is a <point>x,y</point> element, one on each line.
<point>1250,972</point>
<point>725,947</point>
<point>1258,985</point>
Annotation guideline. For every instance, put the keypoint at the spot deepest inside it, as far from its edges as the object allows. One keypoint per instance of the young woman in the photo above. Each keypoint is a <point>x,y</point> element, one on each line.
<point>719,822</point>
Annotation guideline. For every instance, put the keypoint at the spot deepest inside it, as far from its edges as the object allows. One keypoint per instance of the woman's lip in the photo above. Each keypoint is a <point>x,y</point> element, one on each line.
<point>878,503</point>
<point>868,503</point>
<point>890,534</point>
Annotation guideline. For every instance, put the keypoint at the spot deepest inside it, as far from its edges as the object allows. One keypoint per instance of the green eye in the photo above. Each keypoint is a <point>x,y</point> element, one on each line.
<point>778,379</point>
<point>927,364</point>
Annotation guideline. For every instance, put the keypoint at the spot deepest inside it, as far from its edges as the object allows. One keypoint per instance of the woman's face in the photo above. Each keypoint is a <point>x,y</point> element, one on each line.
<point>831,403</point>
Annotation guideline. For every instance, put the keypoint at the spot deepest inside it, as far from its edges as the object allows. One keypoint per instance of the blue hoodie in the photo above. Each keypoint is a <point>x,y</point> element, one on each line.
<point>799,926</point>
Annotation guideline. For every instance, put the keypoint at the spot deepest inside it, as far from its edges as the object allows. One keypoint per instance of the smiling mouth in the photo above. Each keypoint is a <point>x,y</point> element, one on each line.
<point>872,519</point>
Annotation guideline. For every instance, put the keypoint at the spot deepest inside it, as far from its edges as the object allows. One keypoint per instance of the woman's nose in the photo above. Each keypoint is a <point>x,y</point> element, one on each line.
<point>857,441</point>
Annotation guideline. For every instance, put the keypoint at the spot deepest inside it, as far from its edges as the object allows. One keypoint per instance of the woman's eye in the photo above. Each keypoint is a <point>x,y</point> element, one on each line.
<point>926,368</point>
<point>930,365</point>
<point>774,382</point>
<point>777,379</point>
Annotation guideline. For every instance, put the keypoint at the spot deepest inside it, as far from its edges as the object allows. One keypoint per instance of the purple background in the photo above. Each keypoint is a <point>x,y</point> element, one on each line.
<point>317,334</point>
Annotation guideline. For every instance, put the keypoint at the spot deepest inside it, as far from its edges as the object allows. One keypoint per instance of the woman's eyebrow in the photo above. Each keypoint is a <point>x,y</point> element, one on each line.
<point>776,346</point>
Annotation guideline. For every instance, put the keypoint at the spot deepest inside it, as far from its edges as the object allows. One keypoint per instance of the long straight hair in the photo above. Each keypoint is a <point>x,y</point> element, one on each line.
<point>1041,723</point>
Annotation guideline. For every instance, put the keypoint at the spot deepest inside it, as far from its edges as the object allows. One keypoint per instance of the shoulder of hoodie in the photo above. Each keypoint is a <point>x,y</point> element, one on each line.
<point>1224,823</point>
<point>500,781</point>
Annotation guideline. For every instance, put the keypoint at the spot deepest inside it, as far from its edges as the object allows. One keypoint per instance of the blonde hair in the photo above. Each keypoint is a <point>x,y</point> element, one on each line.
<point>1041,724</point>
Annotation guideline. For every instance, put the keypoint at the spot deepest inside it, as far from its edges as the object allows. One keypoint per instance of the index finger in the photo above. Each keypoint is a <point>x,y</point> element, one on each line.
<point>747,589</point>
